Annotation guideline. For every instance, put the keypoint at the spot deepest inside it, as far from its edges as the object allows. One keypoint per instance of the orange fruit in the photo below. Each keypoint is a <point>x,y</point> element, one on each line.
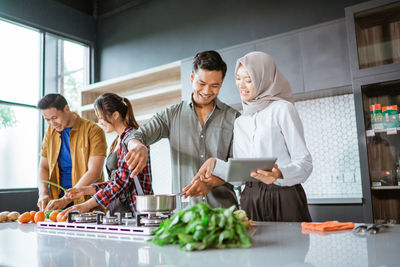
<point>24,217</point>
<point>53,215</point>
<point>60,217</point>
<point>39,217</point>
<point>33,213</point>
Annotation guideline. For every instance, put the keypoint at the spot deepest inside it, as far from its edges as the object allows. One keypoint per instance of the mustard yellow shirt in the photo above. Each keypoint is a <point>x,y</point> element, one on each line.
<point>86,139</point>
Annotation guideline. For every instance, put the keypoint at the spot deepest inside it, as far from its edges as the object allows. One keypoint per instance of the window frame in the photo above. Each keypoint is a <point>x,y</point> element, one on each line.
<point>43,89</point>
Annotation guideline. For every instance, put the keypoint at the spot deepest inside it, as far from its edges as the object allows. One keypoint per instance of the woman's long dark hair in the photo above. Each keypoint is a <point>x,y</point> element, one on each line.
<point>106,104</point>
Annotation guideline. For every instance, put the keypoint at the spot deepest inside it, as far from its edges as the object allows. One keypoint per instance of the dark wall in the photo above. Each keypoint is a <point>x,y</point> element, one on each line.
<point>161,31</point>
<point>51,16</point>
<point>20,200</point>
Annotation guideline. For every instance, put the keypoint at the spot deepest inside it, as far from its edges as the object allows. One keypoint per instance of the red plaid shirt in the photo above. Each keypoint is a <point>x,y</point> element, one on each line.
<point>121,181</point>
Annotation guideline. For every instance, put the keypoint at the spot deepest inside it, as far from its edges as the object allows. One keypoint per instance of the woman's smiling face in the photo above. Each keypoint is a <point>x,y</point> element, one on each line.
<point>107,125</point>
<point>244,84</point>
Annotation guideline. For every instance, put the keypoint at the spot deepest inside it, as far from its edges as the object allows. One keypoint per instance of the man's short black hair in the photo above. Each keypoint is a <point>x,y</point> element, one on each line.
<point>209,60</point>
<point>52,101</point>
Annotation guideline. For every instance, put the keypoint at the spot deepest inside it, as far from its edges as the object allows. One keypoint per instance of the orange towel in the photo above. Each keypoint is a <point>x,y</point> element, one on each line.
<point>327,226</point>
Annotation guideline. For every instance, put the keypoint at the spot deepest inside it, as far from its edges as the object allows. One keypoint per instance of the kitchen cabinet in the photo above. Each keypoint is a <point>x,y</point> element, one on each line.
<point>325,60</point>
<point>287,54</point>
<point>379,143</point>
<point>374,37</point>
<point>312,58</point>
<point>149,91</point>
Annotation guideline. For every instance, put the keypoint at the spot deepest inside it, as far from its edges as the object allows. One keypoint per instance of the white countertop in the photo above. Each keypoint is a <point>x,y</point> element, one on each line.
<point>274,244</point>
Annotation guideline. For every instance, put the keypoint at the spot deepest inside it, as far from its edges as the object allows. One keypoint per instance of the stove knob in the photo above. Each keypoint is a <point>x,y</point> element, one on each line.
<point>71,217</point>
<point>99,217</point>
<point>118,215</point>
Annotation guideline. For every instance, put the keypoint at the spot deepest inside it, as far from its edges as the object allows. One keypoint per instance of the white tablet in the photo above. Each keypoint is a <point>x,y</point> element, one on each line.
<point>240,168</point>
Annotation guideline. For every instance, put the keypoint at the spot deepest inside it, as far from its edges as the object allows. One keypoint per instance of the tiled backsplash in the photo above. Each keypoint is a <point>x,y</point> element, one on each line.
<point>331,135</point>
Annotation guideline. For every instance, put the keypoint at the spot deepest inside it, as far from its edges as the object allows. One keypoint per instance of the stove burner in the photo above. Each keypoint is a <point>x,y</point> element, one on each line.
<point>74,216</point>
<point>150,219</point>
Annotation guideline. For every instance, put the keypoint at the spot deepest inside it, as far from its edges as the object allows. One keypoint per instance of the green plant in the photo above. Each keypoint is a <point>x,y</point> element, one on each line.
<point>7,117</point>
<point>56,185</point>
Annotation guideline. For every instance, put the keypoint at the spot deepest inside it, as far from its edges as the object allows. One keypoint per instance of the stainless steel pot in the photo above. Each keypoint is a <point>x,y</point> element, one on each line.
<point>155,203</point>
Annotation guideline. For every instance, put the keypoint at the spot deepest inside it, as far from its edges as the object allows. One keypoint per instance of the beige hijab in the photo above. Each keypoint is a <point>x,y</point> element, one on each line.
<point>269,83</point>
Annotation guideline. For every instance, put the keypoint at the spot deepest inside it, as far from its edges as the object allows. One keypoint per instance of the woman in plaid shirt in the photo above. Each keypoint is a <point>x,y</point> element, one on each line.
<point>115,114</point>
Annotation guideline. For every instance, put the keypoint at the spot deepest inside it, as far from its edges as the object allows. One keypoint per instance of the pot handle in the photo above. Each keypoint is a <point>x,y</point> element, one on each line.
<point>138,186</point>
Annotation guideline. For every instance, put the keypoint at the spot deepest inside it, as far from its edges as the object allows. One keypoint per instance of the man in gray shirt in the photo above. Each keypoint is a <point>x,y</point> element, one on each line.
<point>197,130</point>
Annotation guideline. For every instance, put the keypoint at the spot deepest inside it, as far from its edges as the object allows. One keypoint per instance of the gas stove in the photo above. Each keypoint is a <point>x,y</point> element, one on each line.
<point>144,224</point>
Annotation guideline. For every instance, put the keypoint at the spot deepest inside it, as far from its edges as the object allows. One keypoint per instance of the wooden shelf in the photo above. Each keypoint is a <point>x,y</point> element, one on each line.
<point>392,187</point>
<point>163,73</point>
<point>149,91</point>
<point>372,132</point>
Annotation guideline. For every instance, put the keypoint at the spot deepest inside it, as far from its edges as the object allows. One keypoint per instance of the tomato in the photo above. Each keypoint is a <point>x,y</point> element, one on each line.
<point>33,213</point>
<point>53,215</point>
<point>39,217</point>
<point>24,217</point>
<point>60,217</point>
<point>47,213</point>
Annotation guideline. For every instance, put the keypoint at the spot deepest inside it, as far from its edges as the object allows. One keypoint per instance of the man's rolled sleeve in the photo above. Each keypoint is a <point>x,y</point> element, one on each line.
<point>98,144</point>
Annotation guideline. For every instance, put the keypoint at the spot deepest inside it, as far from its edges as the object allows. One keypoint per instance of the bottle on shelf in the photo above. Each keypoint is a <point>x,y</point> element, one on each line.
<point>376,116</point>
<point>390,117</point>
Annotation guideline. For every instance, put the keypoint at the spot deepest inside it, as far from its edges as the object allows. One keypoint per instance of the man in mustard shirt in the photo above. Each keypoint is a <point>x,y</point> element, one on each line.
<point>73,153</point>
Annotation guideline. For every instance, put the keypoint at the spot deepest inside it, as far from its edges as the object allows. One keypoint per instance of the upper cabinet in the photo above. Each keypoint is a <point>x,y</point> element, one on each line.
<point>325,56</point>
<point>287,54</point>
<point>374,37</point>
<point>311,58</point>
<point>149,91</point>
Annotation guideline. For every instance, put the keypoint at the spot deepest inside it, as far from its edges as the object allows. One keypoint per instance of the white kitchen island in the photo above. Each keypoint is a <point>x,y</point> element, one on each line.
<point>274,244</point>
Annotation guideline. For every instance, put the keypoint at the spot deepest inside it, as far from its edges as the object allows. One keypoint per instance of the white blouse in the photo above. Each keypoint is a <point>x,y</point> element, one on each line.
<point>275,131</point>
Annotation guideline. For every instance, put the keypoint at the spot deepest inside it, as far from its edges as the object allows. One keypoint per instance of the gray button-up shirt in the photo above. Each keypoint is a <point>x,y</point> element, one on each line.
<point>191,145</point>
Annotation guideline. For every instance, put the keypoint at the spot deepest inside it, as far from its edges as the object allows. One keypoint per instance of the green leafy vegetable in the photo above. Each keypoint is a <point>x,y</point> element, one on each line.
<point>56,185</point>
<point>199,227</point>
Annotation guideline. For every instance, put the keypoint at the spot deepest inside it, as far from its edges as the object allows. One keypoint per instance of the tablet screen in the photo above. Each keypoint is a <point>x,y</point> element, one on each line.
<point>240,168</point>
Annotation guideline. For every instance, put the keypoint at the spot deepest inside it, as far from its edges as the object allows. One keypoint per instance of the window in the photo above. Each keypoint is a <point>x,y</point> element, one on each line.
<point>66,65</point>
<point>70,68</point>
<point>73,71</point>
<point>19,93</point>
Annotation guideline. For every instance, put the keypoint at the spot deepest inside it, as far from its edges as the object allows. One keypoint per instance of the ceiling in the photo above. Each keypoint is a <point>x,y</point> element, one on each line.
<point>101,8</point>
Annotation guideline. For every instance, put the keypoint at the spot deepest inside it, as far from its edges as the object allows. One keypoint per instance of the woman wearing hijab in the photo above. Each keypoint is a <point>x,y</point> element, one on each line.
<point>269,127</point>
